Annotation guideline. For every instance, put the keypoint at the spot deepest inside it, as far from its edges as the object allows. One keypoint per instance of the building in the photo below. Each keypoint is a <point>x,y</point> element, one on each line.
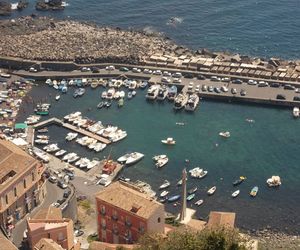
<point>47,244</point>
<point>219,219</point>
<point>124,213</point>
<point>22,185</point>
<point>6,244</point>
<point>49,223</point>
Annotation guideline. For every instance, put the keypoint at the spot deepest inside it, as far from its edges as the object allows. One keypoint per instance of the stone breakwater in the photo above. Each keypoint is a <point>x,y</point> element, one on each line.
<point>52,40</point>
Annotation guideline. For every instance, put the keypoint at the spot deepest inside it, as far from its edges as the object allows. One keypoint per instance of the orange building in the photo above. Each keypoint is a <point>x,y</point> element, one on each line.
<point>124,213</point>
<point>22,186</point>
<point>48,223</point>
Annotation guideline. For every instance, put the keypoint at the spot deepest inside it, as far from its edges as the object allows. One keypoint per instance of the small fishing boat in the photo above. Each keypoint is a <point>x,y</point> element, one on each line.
<point>225,134</point>
<point>199,202</point>
<point>169,141</point>
<point>44,137</point>
<point>107,104</point>
<point>174,198</point>
<point>296,112</point>
<point>164,193</point>
<point>41,141</point>
<point>179,183</point>
<point>235,193</point>
<point>60,152</point>
<point>57,97</point>
<point>42,130</point>
<point>100,105</point>
<point>212,190</point>
<point>254,191</point>
<point>190,197</point>
<point>134,158</point>
<point>163,200</point>
<point>129,95</point>
<point>274,181</point>
<point>165,184</point>
<point>238,181</point>
<point>193,190</point>
<point>161,162</point>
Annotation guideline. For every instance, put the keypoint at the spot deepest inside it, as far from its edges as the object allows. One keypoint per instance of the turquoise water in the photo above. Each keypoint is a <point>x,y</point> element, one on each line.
<point>256,150</point>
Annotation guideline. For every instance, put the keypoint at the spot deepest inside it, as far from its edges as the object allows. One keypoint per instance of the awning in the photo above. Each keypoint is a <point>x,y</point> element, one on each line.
<point>20,125</point>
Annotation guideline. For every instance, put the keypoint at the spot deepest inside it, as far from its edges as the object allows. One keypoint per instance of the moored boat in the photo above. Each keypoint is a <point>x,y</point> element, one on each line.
<point>225,134</point>
<point>161,162</point>
<point>60,152</point>
<point>254,191</point>
<point>134,158</point>
<point>174,198</point>
<point>164,193</point>
<point>180,101</point>
<point>172,92</point>
<point>152,92</point>
<point>169,141</point>
<point>235,193</point>
<point>190,197</point>
<point>100,105</point>
<point>193,190</point>
<point>162,93</point>
<point>296,112</point>
<point>238,181</point>
<point>212,190</point>
<point>192,102</point>
<point>165,184</point>
<point>198,172</point>
<point>274,181</point>
<point>199,202</point>
<point>57,97</point>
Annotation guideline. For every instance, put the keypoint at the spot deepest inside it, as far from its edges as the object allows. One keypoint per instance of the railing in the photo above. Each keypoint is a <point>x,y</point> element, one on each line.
<point>128,223</point>
<point>114,217</point>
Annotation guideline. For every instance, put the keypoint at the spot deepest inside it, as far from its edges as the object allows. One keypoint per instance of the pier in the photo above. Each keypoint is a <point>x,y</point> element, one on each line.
<point>57,121</point>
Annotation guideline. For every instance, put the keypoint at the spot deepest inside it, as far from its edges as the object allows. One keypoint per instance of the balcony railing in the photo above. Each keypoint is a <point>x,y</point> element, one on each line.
<point>128,223</point>
<point>114,217</point>
<point>102,211</point>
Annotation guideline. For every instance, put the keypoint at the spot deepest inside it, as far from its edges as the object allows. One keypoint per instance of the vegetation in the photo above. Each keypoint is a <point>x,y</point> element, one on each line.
<point>86,204</point>
<point>184,239</point>
<point>92,237</point>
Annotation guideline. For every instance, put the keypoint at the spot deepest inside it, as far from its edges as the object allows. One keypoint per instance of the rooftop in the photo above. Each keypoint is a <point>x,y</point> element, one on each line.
<point>50,213</point>
<point>13,162</point>
<point>6,244</point>
<point>126,197</point>
<point>47,244</point>
<point>221,219</point>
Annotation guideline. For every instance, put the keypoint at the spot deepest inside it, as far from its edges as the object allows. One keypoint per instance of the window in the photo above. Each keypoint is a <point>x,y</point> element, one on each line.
<point>60,236</point>
<point>6,199</point>
<point>24,183</point>
<point>115,215</point>
<point>15,191</point>
<point>158,220</point>
<point>49,236</point>
<point>103,210</point>
<point>142,228</point>
<point>33,176</point>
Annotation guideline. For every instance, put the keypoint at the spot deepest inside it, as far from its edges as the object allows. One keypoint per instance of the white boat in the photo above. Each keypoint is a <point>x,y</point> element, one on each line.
<point>122,94</point>
<point>117,95</point>
<point>32,119</point>
<point>165,184</point>
<point>104,95</point>
<point>93,145</point>
<point>162,93</point>
<point>198,172</point>
<point>71,136</point>
<point>152,92</point>
<point>110,94</point>
<point>117,136</point>
<point>51,148</point>
<point>99,147</point>
<point>41,154</point>
<point>123,158</point>
<point>274,181</point>
<point>41,141</point>
<point>192,102</point>
<point>44,137</point>
<point>92,164</point>
<point>134,158</point>
<point>199,202</point>
<point>212,190</point>
<point>84,163</point>
<point>57,97</point>
<point>133,93</point>
<point>169,141</point>
<point>296,112</point>
<point>158,157</point>
<point>161,162</point>
<point>164,193</point>
<point>73,158</point>
<point>49,82</point>
<point>68,156</point>
<point>225,134</point>
<point>132,85</point>
<point>60,152</point>
<point>180,101</point>
<point>235,193</point>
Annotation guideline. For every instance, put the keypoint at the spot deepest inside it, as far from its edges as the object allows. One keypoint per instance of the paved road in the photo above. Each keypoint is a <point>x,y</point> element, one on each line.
<point>53,193</point>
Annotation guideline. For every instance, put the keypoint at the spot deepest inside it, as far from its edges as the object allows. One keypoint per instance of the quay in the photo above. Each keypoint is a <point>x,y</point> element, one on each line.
<point>57,121</point>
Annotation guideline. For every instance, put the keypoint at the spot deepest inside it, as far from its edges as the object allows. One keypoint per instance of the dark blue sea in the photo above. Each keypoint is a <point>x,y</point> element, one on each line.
<point>270,146</point>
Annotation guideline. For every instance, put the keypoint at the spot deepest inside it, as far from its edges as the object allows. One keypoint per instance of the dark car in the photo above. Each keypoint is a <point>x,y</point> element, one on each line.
<point>243,92</point>
<point>274,85</point>
<point>297,98</point>
<point>280,97</point>
<point>290,87</point>
<point>46,174</point>
<point>95,70</point>
<point>61,184</point>
<point>61,201</point>
<point>233,91</point>
<point>71,175</point>
<point>201,77</point>
<point>217,90</point>
<point>124,69</point>
<point>188,75</point>
<point>237,81</point>
<point>67,193</point>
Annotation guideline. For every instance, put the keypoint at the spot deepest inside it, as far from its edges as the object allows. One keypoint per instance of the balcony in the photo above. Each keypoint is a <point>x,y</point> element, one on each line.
<point>114,217</point>
<point>128,223</point>
<point>102,211</point>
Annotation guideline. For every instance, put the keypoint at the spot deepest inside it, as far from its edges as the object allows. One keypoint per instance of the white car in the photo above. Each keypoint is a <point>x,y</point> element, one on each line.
<point>176,80</point>
<point>157,72</point>
<point>197,89</point>
<point>85,69</point>
<point>165,79</point>
<point>225,79</point>
<point>110,68</point>
<point>147,71</point>
<point>166,73</point>
<point>252,82</point>
<point>215,79</point>
<point>136,70</point>
<point>177,75</point>
<point>224,89</point>
<point>32,69</point>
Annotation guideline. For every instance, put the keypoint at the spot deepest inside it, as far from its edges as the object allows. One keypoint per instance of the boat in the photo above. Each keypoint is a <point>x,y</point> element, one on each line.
<point>64,89</point>
<point>144,84</point>
<point>122,94</point>
<point>71,136</point>
<point>158,157</point>
<point>190,197</point>
<point>41,111</point>
<point>123,158</point>
<point>164,193</point>
<point>235,193</point>
<point>180,101</point>
<point>133,93</point>
<point>107,104</point>
<point>254,191</point>
<point>225,134</point>
<point>152,92</point>
<point>134,158</point>
<point>239,181</point>
<point>49,82</point>
<point>169,141</point>
<point>44,137</point>
<point>274,181</point>
<point>174,198</point>
<point>57,97</point>
<point>129,95</point>
<point>163,200</point>
<point>94,84</point>
<point>92,164</point>
<point>212,190</point>
<point>161,162</point>
<point>165,184</point>
<point>41,155</point>
<point>179,183</point>
<point>42,130</point>
<point>193,190</point>
<point>99,147</point>
<point>162,93</point>
<point>51,148</point>
<point>199,202</point>
<point>104,95</point>
<point>41,141</point>
<point>192,103</point>
<point>32,119</point>
<point>110,94</point>
<point>73,158</point>
<point>121,102</point>
<point>198,172</point>
<point>132,85</point>
<point>296,112</point>
<point>100,105</point>
<point>60,152</point>
<point>172,92</point>
<point>117,136</point>
<point>67,156</point>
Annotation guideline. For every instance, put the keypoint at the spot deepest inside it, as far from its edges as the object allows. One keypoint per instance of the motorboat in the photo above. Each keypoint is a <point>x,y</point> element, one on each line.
<point>192,102</point>
<point>238,181</point>
<point>225,134</point>
<point>42,130</point>
<point>49,82</point>
<point>60,152</point>
<point>57,97</point>
<point>123,158</point>
<point>134,158</point>
<point>193,190</point>
<point>41,154</point>
<point>296,112</point>
<point>73,158</point>
<point>274,181</point>
<point>51,148</point>
<point>254,191</point>
<point>169,141</point>
<point>121,102</point>
<point>163,199</point>
<point>174,198</point>
<point>68,156</point>
<point>235,193</point>
<point>164,193</point>
<point>172,92</point>
<point>179,183</point>
<point>32,119</point>
<point>129,95</point>
<point>152,92</point>
<point>161,162</point>
<point>71,136</point>
<point>133,93</point>
<point>212,190</point>
<point>41,141</point>
<point>84,163</point>
<point>132,85</point>
<point>99,147</point>
<point>92,164</point>
<point>199,202</point>
<point>116,95</point>
<point>190,197</point>
<point>180,101</point>
<point>117,136</point>
<point>165,184</point>
<point>44,137</point>
<point>93,144</point>
<point>100,105</point>
<point>110,93</point>
<point>104,95</point>
<point>198,172</point>
<point>107,104</point>
<point>162,93</point>
<point>144,84</point>
<point>122,94</point>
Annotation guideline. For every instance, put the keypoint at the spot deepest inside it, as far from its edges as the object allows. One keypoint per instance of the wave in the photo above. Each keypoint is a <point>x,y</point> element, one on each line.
<point>175,20</point>
<point>14,6</point>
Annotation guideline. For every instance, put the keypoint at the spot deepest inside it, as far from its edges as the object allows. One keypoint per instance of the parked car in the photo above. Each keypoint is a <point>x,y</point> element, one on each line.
<point>32,69</point>
<point>233,91</point>
<point>288,86</point>
<point>71,175</point>
<point>280,97</point>
<point>85,69</point>
<point>197,89</point>
<point>237,81</point>
<point>147,71</point>
<point>243,92</point>
<point>210,88</point>
<point>166,73</point>
<point>61,201</point>
<point>52,179</point>
<point>95,70</point>
<point>274,85</point>
<point>124,69</point>
<point>67,193</point>
<point>204,88</point>
<point>110,68</point>
<point>225,79</point>
<point>252,82</point>
<point>165,79</point>
<point>176,80</point>
<point>201,77</point>
<point>55,204</point>
<point>61,184</point>
<point>224,89</point>
<point>215,79</point>
<point>263,84</point>
<point>177,75</point>
<point>297,98</point>
<point>217,90</point>
<point>157,72</point>
<point>189,75</point>
<point>136,70</point>
<point>78,233</point>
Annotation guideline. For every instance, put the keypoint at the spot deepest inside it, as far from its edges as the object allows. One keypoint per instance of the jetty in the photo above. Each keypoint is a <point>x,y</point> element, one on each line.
<point>59,122</point>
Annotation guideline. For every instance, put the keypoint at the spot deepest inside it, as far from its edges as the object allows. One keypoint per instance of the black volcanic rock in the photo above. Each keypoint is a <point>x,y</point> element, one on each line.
<point>22,4</point>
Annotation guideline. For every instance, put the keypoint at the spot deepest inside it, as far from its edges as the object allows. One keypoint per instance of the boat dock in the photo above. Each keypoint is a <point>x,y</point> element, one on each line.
<point>57,121</point>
